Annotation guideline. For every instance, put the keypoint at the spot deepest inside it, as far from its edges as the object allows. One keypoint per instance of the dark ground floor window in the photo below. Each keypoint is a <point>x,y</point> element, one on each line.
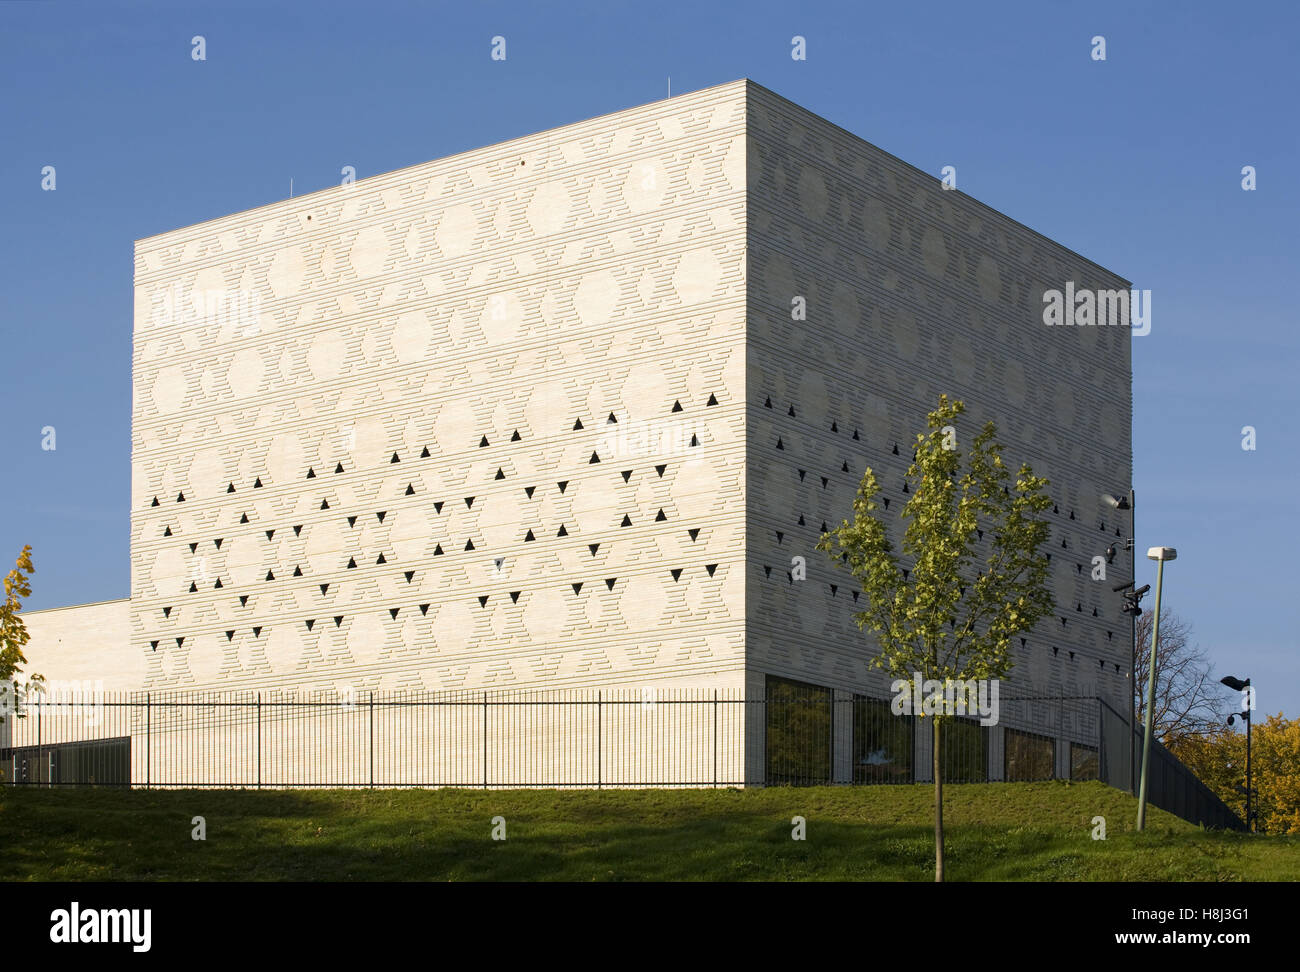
<point>95,762</point>
<point>963,751</point>
<point>1027,756</point>
<point>1084,762</point>
<point>882,743</point>
<point>798,734</point>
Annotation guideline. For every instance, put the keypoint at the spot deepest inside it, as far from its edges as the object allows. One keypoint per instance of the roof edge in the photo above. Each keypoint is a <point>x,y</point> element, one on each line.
<point>415,165</point>
<point>72,607</point>
<point>1011,219</point>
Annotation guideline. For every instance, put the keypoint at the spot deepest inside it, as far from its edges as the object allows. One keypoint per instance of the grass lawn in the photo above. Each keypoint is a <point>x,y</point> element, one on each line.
<point>995,832</point>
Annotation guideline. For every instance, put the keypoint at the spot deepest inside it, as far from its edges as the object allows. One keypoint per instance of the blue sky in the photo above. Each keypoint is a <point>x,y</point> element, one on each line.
<point>1134,162</point>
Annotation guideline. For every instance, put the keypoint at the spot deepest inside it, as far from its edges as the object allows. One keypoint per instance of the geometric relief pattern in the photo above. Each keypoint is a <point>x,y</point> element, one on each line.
<point>477,422</point>
<point>912,291</point>
<point>536,414</point>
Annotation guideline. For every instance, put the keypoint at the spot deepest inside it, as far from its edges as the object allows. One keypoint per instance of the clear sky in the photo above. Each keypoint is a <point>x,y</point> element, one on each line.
<point>1134,162</point>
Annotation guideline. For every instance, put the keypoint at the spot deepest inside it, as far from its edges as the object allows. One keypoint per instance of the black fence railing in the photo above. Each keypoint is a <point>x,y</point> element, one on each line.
<point>567,739</point>
<point>1171,785</point>
<point>466,739</point>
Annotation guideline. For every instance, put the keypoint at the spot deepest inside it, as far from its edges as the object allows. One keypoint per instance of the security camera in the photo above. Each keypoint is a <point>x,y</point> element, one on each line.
<point>1132,598</point>
<point>1111,553</point>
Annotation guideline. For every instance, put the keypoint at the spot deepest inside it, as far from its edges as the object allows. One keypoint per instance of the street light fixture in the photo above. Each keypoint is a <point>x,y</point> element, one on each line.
<point>1159,555</point>
<point>1131,606</point>
<point>1237,685</point>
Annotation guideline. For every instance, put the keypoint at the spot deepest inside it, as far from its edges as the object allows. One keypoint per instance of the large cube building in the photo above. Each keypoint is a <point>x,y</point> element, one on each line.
<point>560,413</point>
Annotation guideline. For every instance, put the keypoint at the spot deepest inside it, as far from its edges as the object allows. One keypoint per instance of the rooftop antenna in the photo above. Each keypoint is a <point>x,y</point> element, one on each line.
<point>670,86</point>
<point>290,187</point>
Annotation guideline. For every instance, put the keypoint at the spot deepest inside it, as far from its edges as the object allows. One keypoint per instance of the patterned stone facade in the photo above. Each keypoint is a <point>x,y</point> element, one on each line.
<point>913,291</point>
<point>478,423</point>
<point>538,415</point>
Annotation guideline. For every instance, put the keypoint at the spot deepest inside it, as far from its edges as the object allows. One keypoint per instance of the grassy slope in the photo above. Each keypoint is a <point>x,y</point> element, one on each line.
<point>1025,831</point>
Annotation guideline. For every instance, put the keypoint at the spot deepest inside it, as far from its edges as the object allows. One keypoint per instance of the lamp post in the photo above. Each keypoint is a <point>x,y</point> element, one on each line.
<point>1237,685</point>
<point>1131,607</point>
<point>1159,555</point>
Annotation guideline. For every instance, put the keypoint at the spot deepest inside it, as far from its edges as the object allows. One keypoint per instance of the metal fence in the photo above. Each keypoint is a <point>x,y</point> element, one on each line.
<point>466,739</point>
<point>1171,786</point>
<point>568,739</point>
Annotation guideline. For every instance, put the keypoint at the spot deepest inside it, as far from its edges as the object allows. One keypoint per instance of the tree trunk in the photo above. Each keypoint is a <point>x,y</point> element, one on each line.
<point>938,809</point>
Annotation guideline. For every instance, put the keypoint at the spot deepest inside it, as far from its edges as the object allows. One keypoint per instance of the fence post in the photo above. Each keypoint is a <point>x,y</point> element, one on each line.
<point>1102,768</point>
<point>37,761</point>
<point>372,739</point>
<point>598,754</point>
<point>259,740</point>
<point>1060,729</point>
<point>831,707</point>
<point>485,741</point>
<point>715,739</point>
<point>148,739</point>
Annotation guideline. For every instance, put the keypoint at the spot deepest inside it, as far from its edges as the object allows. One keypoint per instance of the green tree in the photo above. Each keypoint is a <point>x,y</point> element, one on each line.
<point>940,611</point>
<point>13,633</point>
